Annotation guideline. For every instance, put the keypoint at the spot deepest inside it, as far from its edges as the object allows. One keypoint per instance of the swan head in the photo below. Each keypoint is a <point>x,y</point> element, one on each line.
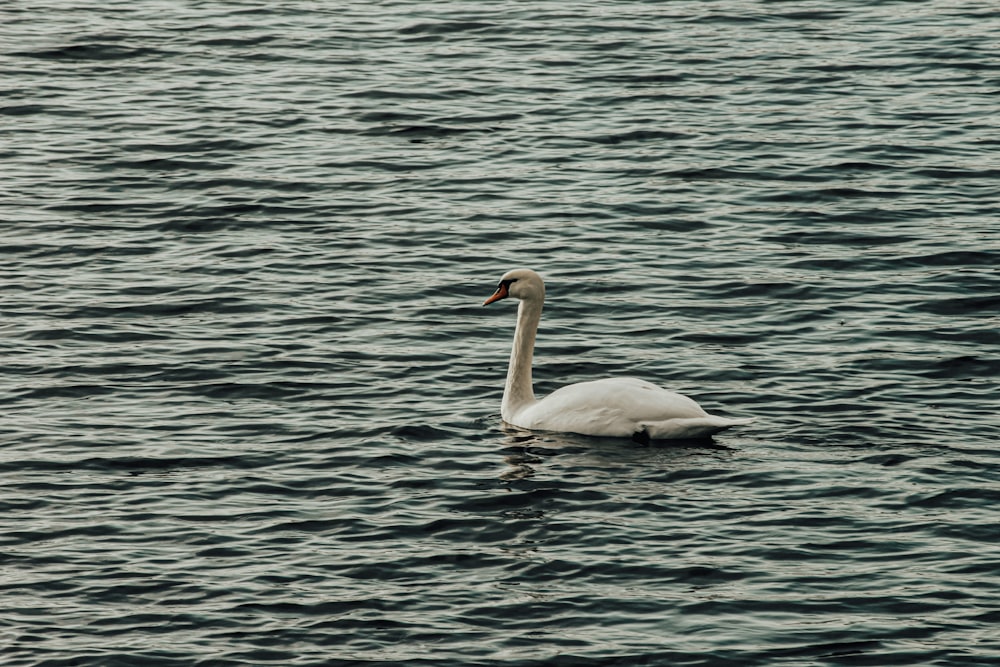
<point>523,284</point>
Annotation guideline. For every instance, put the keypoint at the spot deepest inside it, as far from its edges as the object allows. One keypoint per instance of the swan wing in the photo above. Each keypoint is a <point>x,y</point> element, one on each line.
<point>677,429</point>
<point>620,407</point>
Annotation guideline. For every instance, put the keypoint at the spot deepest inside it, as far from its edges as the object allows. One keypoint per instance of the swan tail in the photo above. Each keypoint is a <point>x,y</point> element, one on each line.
<point>686,429</point>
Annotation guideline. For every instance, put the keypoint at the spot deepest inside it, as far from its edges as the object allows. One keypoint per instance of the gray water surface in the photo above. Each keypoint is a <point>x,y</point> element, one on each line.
<point>250,398</point>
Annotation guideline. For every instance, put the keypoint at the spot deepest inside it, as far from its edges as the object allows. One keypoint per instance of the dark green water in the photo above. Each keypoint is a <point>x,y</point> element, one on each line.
<point>250,398</point>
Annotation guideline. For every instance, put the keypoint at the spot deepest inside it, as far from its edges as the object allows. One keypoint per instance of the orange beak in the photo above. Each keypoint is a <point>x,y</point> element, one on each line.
<point>501,293</point>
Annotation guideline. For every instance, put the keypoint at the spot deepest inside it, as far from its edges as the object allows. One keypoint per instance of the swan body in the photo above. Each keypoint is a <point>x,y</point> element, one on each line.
<point>615,407</point>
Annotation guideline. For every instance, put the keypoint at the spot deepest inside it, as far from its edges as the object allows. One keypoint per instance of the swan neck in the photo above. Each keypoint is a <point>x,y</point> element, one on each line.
<point>519,393</point>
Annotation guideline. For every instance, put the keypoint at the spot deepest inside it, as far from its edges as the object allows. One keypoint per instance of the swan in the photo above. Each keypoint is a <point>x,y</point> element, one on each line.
<point>615,407</point>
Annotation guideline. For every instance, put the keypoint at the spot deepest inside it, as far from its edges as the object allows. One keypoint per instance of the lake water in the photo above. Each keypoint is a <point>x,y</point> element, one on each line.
<point>251,399</point>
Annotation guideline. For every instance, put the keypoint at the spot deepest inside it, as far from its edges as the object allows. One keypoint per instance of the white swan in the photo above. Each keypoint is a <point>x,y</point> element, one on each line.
<point>618,407</point>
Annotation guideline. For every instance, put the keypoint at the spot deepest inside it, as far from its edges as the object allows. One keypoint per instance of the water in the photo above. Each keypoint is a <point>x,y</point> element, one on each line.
<point>250,399</point>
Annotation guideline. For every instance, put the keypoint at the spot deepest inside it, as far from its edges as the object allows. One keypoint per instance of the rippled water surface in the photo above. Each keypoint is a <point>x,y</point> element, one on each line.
<point>250,397</point>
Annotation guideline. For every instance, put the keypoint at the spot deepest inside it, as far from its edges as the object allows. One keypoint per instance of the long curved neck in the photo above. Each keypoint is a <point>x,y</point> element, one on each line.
<point>518,392</point>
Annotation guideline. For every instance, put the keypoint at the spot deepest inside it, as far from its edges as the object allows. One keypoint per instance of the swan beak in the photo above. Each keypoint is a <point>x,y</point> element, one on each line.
<point>501,293</point>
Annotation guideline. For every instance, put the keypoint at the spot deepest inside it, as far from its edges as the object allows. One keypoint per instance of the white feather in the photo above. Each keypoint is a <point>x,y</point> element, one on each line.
<point>611,407</point>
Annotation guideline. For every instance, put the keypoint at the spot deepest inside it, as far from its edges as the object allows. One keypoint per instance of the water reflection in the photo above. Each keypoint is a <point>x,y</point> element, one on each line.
<point>525,451</point>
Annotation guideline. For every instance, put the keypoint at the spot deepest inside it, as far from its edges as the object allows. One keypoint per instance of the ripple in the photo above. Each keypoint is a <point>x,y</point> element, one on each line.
<point>250,409</point>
